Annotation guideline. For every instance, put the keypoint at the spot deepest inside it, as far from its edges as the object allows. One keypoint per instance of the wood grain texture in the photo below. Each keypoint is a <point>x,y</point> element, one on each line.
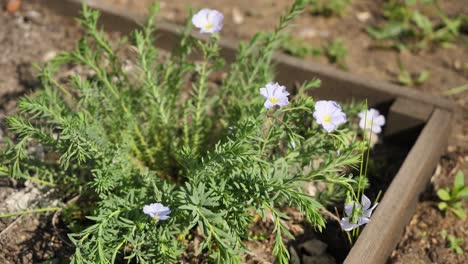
<point>382,234</point>
<point>405,115</point>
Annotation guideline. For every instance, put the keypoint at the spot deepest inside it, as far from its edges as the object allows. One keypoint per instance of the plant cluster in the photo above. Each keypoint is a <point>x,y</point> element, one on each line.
<point>452,199</point>
<point>335,50</point>
<point>410,79</point>
<point>408,27</point>
<point>160,154</point>
<point>454,242</point>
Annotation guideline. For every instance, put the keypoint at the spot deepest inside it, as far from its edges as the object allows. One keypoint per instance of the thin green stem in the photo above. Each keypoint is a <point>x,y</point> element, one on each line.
<point>198,111</point>
<point>40,210</point>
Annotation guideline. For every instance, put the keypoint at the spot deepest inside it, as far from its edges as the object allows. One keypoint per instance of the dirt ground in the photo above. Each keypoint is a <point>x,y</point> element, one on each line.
<point>30,36</point>
<point>46,34</point>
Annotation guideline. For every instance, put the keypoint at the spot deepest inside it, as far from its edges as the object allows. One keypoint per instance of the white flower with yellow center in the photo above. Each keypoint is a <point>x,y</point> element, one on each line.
<point>208,20</point>
<point>373,120</point>
<point>274,94</point>
<point>157,211</point>
<point>329,115</point>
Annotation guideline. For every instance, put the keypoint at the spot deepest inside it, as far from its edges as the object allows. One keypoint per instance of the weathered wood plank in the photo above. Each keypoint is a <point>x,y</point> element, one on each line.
<point>399,201</point>
<point>406,114</point>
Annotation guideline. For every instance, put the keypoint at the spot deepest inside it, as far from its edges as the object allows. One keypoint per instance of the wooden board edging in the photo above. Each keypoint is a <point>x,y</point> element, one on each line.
<point>399,201</point>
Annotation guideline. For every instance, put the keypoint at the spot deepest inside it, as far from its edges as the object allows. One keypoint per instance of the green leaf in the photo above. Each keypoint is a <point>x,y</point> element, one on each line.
<point>390,30</point>
<point>460,212</point>
<point>463,193</point>
<point>422,22</point>
<point>442,206</point>
<point>405,78</point>
<point>423,77</point>
<point>443,194</point>
<point>459,180</point>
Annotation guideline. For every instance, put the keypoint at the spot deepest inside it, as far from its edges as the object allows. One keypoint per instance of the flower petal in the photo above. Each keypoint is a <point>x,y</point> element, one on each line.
<point>282,101</point>
<point>264,93</point>
<point>268,104</point>
<point>362,220</point>
<point>200,19</point>
<point>365,202</point>
<point>380,120</point>
<point>368,212</point>
<point>349,207</point>
<point>346,225</point>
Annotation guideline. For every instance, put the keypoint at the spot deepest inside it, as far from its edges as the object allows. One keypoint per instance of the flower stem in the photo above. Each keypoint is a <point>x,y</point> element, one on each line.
<point>40,210</point>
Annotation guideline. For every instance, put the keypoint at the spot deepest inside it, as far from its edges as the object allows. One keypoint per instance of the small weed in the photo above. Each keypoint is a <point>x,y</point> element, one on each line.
<point>455,243</point>
<point>299,48</point>
<point>451,199</point>
<point>336,52</point>
<point>457,90</point>
<point>407,27</point>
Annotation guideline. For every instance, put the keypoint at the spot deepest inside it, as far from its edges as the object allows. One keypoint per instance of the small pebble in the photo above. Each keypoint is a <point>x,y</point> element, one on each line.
<point>237,16</point>
<point>294,256</point>
<point>13,6</point>
<point>49,55</point>
<point>313,247</point>
<point>308,33</point>
<point>363,16</point>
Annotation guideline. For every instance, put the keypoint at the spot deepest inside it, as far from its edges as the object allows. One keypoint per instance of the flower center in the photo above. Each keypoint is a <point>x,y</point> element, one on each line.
<point>208,26</point>
<point>327,119</point>
<point>273,100</point>
<point>156,218</point>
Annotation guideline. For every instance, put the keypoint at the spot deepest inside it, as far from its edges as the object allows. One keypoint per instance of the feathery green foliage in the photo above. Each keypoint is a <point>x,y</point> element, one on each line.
<point>160,132</point>
<point>408,25</point>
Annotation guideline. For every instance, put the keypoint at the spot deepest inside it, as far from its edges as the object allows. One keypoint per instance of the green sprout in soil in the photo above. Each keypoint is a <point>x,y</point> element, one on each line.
<point>452,199</point>
<point>335,50</point>
<point>407,27</point>
<point>160,154</point>
<point>454,242</point>
<point>412,79</point>
<point>298,47</point>
<point>329,7</point>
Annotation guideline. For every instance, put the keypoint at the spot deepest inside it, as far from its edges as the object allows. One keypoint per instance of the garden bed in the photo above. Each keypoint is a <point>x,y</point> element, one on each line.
<point>417,125</point>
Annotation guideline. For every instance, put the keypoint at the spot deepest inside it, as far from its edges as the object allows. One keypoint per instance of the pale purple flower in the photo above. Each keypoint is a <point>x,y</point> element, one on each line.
<point>357,214</point>
<point>157,211</point>
<point>373,120</point>
<point>208,20</point>
<point>274,94</point>
<point>329,115</point>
